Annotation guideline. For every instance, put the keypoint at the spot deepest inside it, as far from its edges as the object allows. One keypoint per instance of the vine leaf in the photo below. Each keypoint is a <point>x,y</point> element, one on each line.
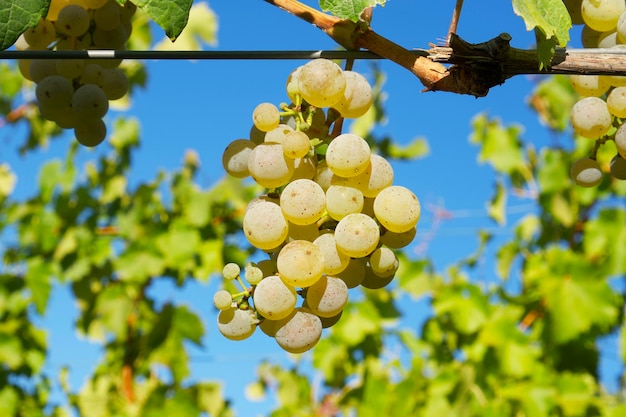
<point>18,15</point>
<point>551,22</point>
<point>170,15</point>
<point>348,9</point>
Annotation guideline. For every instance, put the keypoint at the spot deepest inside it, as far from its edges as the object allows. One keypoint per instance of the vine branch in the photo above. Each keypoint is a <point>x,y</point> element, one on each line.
<point>475,67</point>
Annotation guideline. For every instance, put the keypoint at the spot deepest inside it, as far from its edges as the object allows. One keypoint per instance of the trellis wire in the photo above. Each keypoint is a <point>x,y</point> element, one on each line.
<point>188,55</point>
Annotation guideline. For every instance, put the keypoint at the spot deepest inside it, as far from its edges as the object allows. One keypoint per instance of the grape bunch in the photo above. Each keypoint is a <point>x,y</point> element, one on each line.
<point>75,93</point>
<point>330,221</point>
<point>600,112</point>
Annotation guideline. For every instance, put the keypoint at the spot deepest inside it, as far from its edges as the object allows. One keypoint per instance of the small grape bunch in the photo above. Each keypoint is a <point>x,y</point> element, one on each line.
<point>331,219</point>
<point>599,114</point>
<point>75,93</point>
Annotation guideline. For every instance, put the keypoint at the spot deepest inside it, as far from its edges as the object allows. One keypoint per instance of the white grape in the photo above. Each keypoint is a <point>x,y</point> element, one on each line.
<point>303,202</point>
<point>308,232</point>
<point>298,332</point>
<point>348,155</point>
<point>222,300</point>
<point>342,199</point>
<point>114,83</point>
<point>54,91</point>
<point>274,299</point>
<point>292,84</point>
<point>384,262</point>
<point>327,297</point>
<point>300,263</point>
<point>231,271</point>
<point>264,225</point>
<point>397,208</point>
<point>269,166</point>
<point>373,281</point>
<point>357,235</point>
<point>616,102</point>
<point>266,117</point>
<point>357,96</point>
<point>620,140</point>
<point>107,17</point>
<point>40,36</point>
<point>321,82</point>
<point>254,274</point>
<point>601,15</point>
<point>335,260</point>
<point>296,144</point>
<point>586,172</point>
<point>89,101</point>
<point>377,176</point>
<point>277,134</point>
<point>70,68</point>
<point>354,273</point>
<point>42,68</point>
<point>398,240</point>
<point>235,157</point>
<point>73,20</point>
<point>589,85</point>
<point>90,132</point>
<point>304,168</point>
<point>591,117</point>
<point>236,324</point>
<point>323,175</point>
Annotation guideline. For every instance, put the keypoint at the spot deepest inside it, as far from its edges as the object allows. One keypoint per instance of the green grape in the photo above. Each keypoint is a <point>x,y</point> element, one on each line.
<point>601,15</point>
<point>342,199</point>
<point>90,132</point>
<point>335,261</point>
<point>277,134</point>
<point>264,225</point>
<point>73,20</point>
<point>397,208</point>
<point>321,82</point>
<point>254,274</point>
<point>90,102</point>
<point>236,324</point>
<point>620,140</point>
<point>274,299</point>
<point>296,144</point>
<point>357,97</point>
<point>40,36</point>
<point>107,16</point>
<point>231,271</point>
<point>354,273</point>
<point>300,263</point>
<point>235,157</point>
<point>398,240</point>
<point>114,83</point>
<point>54,91</point>
<point>377,176</point>
<point>348,155</point>
<point>298,332</point>
<point>266,117</point>
<point>586,172</point>
<point>357,235</point>
<point>303,202</point>
<point>304,168</point>
<point>222,300</point>
<point>591,117</point>
<point>268,165</point>
<point>589,85</point>
<point>618,167</point>
<point>327,297</point>
<point>616,102</point>
<point>384,262</point>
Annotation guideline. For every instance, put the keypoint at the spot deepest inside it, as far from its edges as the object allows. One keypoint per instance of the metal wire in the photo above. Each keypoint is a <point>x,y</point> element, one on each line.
<point>187,55</point>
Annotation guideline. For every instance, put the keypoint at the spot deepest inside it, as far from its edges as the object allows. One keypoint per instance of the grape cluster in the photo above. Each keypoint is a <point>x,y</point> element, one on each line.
<point>75,93</point>
<point>600,112</point>
<point>330,220</point>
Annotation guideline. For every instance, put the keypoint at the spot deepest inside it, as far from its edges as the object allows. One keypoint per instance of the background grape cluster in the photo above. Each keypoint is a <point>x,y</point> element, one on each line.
<point>600,112</point>
<point>330,220</point>
<point>75,93</point>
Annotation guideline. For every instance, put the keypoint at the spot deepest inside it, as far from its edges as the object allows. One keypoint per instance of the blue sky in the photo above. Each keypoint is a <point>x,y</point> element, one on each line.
<point>206,104</point>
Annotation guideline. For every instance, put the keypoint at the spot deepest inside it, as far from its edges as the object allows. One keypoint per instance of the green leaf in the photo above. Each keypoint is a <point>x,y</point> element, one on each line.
<point>417,148</point>
<point>348,9</point>
<point>170,15</point>
<point>18,15</point>
<point>496,207</point>
<point>551,22</point>
<point>201,29</point>
<point>500,146</point>
<point>552,100</point>
<point>39,276</point>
